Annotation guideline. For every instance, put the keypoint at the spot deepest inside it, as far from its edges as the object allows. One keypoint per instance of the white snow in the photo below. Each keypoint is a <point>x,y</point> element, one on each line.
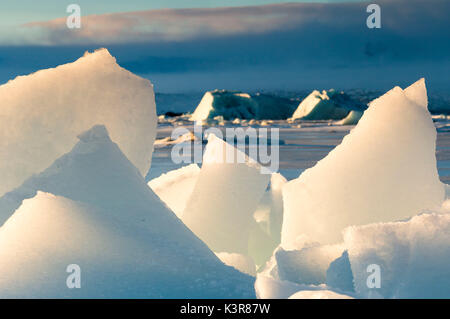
<point>108,221</point>
<point>413,255</point>
<point>43,113</point>
<point>175,187</point>
<point>320,106</point>
<point>220,209</point>
<point>318,294</point>
<point>384,170</point>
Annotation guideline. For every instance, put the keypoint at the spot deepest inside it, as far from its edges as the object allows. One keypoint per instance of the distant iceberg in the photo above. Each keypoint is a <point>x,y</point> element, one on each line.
<point>352,118</point>
<point>231,105</point>
<point>325,105</point>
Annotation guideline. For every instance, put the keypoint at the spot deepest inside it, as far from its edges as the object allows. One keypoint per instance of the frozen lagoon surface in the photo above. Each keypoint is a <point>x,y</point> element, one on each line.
<point>300,148</point>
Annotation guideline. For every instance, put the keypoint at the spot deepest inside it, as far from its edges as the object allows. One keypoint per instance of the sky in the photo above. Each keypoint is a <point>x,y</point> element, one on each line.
<point>275,46</point>
<point>23,11</point>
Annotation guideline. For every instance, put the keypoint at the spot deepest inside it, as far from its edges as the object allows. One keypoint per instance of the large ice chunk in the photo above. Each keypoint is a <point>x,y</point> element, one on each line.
<point>270,209</point>
<point>175,187</point>
<point>43,113</point>
<point>105,219</point>
<point>413,257</point>
<point>220,209</point>
<point>265,235</point>
<point>94,171</point>
<point>384,170</point>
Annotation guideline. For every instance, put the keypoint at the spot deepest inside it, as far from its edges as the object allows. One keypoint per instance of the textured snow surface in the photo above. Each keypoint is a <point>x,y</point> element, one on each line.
<point>414,256</point>
<point>43,113</point>
<point>108,221</point>
<point>384,170</point>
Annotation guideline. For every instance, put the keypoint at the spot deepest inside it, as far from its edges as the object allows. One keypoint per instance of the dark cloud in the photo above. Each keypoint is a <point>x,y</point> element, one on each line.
<point>282,46</point>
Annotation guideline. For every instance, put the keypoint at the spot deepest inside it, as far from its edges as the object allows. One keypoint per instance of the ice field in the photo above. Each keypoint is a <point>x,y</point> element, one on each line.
<point>346,211</point>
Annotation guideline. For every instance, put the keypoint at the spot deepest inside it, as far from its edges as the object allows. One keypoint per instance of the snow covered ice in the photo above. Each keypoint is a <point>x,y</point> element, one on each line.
<point>102,216</point>
<point>226,194</point>
<point>43,113</point>
<point>384,170</point>
<point>175,189</point>
<point>413,255</point>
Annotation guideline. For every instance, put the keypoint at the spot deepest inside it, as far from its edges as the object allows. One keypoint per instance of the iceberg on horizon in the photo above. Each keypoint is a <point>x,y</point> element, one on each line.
<point>175,187</point>
<point>328,105</point>
<point>352,118</point>
<point>238,105</point>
